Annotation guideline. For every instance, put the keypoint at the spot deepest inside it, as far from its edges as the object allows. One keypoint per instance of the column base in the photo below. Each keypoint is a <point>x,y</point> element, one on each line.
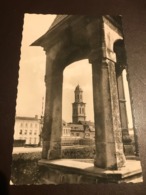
<point>69,171</point>
<point>128,150</point>
<point>51,150</point>
<point>109,156</point>
<point>46,145</point>
<point>54,151</point>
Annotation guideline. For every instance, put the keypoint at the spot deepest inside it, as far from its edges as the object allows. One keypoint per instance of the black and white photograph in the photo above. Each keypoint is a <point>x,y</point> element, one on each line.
<point>75,122</point>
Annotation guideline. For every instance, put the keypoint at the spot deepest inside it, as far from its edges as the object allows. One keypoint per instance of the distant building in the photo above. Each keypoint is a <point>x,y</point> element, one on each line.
<point>77,130</point>
<point>78,106</point>
<point>89,129</point>
<point>27,129</point>
<point>66,130</point>
<point>80,128</point>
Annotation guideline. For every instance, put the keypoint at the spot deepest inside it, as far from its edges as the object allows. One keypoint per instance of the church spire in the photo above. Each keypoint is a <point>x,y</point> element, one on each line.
<point>78,106</point>
<point>78,94</point>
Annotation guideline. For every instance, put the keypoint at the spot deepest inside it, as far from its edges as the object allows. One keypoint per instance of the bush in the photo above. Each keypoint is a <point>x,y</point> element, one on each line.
<point>70,141</point>
<point>77,141</point>
<point>25,169</point>
<point>79,152</point>
<point>86,141</point>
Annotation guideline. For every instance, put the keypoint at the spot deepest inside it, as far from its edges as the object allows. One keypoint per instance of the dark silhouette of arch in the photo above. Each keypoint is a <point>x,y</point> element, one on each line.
<point>119,49</point>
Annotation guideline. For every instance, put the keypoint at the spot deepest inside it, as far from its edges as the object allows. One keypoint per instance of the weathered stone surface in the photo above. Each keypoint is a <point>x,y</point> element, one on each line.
<point>109,153</point>
<point>76,172</point>
<point>74,39</point>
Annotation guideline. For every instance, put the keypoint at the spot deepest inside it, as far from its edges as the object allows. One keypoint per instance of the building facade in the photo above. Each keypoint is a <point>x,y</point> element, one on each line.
<point>77,130</point>
<point>66,130</point>
<point>28,129</point>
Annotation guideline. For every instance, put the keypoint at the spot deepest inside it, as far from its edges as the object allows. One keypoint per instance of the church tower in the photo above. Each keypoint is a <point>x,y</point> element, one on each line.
<point>78,111</point>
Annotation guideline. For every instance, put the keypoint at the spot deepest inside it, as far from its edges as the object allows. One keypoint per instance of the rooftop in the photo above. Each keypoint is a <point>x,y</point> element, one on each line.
<point>27,118</point>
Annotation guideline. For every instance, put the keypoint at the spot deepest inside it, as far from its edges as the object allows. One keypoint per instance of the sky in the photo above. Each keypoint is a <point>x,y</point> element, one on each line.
<point>31,87</point>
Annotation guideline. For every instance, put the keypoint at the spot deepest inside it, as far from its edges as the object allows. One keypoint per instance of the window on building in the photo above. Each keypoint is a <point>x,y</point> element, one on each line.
<point>25,124</point>
<point>20,132</point>
<point>21,124</point>
<point>34,140</point>
<point>77,134</point>
<point>35,132</point>
<point>25,132</point>
<point>30,140</point>
<point>30,132</point>
<point>82,110</point>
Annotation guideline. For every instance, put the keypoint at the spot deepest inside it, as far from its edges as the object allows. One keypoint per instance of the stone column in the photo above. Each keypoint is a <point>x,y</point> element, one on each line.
<point>52,129</point>
<point>128,148</point>
<point>108,135</point>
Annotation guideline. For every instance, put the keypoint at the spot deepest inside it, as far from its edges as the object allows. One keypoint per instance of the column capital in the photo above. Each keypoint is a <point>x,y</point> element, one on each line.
<point>102,55</point>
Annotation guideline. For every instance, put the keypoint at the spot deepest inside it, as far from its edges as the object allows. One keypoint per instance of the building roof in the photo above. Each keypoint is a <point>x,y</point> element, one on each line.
<point>27,118</point>
<point>57,20</point>
<point>78,88</point>
<point>89,123</point>
<point>64,123</point>
<point>76,127</point>
<point>91,128</point>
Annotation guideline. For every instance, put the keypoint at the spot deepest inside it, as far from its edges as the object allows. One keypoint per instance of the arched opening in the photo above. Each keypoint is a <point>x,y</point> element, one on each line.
<point>77,111</point>
<point>79,72</point>
<point>124,97</point>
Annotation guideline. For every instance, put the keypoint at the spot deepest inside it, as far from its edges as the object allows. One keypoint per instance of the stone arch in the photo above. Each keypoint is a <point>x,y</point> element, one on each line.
<point>80,72</point>
<point>121,59</point>
<point>73,38</point>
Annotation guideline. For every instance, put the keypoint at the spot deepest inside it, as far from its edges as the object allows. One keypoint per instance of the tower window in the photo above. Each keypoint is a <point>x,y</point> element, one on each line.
<point>20,132</point>
<point>78,97</point>
<point>82,110</point>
